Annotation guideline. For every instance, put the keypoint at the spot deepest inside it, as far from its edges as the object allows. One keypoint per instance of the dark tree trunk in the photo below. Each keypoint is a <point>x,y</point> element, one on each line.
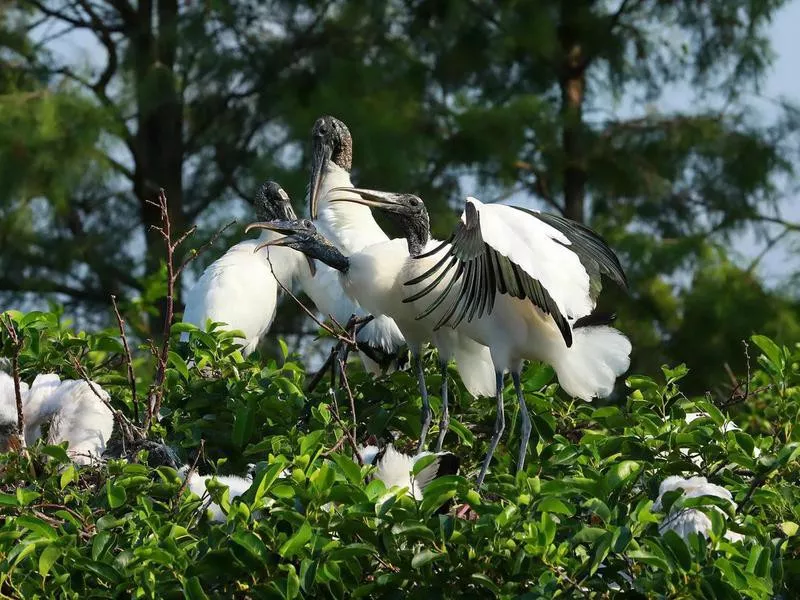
<point>572,81</point>
<point>159,135</point>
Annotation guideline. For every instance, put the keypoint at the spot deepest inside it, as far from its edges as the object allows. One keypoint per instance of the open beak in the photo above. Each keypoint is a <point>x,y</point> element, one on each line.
<point>373,198</point>
<point>322,152</point>
<point>287,228</point>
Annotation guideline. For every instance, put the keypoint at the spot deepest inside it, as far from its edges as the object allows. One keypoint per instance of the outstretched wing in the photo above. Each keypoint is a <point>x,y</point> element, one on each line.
<point>501,249</point>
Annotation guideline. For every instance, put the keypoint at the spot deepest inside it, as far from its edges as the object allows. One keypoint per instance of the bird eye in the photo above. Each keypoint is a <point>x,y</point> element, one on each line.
<point>308,223</point>
<point>413,201</point>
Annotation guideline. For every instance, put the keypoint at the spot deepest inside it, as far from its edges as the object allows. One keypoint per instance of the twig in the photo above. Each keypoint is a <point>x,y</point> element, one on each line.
<point>350,438</point>
<point>194,253</point>
<point>346,384</point>
<point>17,348</point>
<point>304,307</point>
<point>191,470</point>
<point>130,432</point>
<point>128,358</point>
<point>322,370</point>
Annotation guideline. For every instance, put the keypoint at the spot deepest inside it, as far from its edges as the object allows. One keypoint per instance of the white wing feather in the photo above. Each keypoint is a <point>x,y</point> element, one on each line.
<point>540,250</point>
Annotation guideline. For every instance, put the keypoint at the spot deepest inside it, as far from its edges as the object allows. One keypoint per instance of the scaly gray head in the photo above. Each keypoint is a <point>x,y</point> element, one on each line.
<point>301,235</point>
<point>272,202</point>
<point>330,141</point>
<point>406,210</point>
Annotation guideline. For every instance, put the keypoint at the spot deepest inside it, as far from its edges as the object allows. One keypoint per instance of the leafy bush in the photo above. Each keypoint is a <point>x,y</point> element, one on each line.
<point>579,522</point>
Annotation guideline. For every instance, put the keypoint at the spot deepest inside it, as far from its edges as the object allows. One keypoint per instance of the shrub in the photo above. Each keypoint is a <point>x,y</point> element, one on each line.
<point>578,522</point>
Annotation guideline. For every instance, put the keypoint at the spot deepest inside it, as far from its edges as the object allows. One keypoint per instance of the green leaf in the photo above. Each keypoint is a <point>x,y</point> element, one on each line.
<point>26,496</point>
<point>349,468</point>
<point>68,475</point>
<point>426,556</point>
<point>58,453</point>
<point>789,528</point>
<point>292,580</point>
<point>678,547</point>
<point>179,364</point>
<point>98,569</point>
<point>484,581</point>
<point>252,543</point>
<point>48,558</point>
<point>622,473</point>
<point>193,590</point>
<point>37,526</point>
<point>770,350</point>
<point>554,505</point>
<point>269,477</point>
<point>293,545</point>
<point>116,494</point>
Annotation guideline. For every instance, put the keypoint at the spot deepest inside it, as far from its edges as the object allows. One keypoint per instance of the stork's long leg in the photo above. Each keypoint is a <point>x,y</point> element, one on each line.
<point>499,426</point>
<point>426,407</point>
<point>444,422</point>
<point>525,433</point>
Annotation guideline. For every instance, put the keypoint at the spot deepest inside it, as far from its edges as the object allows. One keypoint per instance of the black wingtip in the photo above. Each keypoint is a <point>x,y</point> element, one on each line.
<point>595,319</point>
<point>448,464</point>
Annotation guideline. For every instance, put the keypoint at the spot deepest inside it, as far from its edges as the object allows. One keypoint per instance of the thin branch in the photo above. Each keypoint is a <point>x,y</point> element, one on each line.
<point>346,384</point>
<point>770,245</point>
<point>191,471</point>
<point>196,252</point>
<point>8,324</point>
<point>128,358</point>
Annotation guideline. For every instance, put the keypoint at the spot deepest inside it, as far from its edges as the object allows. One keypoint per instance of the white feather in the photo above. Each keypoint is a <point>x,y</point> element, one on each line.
<point>540,250</point>
<point>395,469</point>
<point>240,289</point>
<point>73,411</point>
<point>691,520</point>
<point>197,484</point>
<point>350,227</point>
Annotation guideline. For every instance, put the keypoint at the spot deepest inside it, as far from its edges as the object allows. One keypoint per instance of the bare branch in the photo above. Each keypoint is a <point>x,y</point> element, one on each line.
<point>8,324</point>
<point>196,252</point>
<point>191,471</point>
<point>128,358</point>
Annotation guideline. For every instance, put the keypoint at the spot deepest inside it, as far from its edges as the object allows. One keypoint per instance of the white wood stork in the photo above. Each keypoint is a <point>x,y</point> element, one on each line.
<point>240,288</point>
<point>70,408</point>
<point>350,228</point>
<point>521,282</point>
<point>395,468</point>
<point>373,276</point>
<point>197,484</point>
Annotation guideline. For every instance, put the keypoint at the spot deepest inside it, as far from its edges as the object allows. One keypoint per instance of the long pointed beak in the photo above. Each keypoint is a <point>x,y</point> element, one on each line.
<point>374,198</point>
<point>287,228</point>
<point>321,153</point>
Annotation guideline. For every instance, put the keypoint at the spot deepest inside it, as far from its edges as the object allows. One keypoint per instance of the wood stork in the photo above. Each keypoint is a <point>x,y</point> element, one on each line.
<point>394,468</point>
<point>197,484</point>
<point>521,282</point>
<point>240,289</point>
<point>70,408</point>
<point>684,521</point>
<point>373,276</point>
<point>350,228</point>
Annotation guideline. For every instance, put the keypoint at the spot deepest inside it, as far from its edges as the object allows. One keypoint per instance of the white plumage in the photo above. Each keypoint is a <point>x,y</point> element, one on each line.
<point>520,282</point>
<point>70,408</point>
<point>197,484</point>
<point>350,227</point>
<point>240,289</point>
<point>692,520</point>
<point>395,469</point>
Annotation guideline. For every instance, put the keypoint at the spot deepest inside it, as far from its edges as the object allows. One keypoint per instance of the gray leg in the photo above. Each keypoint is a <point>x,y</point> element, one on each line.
<point>426,407</point>
<point>525,433</point>
<point>499,426</point>
<point>444,423</point>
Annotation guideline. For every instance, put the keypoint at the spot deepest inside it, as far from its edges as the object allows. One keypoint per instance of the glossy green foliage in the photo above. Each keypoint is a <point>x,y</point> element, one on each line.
<point>578,522</point>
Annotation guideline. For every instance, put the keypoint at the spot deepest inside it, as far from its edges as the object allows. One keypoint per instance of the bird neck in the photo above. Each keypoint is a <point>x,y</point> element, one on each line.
<point>417,242</point>
<point>331,257</point>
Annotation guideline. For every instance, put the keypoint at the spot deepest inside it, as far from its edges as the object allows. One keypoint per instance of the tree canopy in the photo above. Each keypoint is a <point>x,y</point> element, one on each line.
<point>545,103</point>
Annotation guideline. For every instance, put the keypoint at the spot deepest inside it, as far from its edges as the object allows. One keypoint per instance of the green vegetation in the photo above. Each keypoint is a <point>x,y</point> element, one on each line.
<point>579,522</point>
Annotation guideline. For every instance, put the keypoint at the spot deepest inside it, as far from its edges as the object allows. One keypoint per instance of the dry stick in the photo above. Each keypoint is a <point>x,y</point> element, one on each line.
<point>130,431</point>
<point>17,347</point>
<point>191,470</point>
<point>346,384</point>
<point>128,358</point>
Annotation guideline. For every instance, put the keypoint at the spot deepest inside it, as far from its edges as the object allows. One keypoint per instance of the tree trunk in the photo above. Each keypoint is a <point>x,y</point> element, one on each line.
<point>572,81</point>
<point>159,135</point>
